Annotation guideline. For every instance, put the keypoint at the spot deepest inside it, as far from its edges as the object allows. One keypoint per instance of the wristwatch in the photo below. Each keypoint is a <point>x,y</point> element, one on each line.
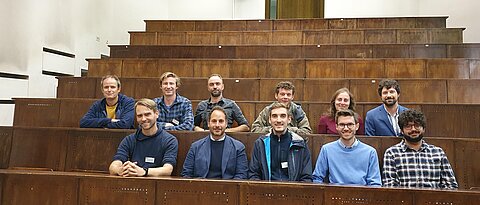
<point>146,172</point>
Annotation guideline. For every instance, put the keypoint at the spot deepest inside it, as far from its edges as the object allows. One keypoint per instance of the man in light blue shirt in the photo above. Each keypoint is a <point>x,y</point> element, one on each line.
<point>348,160</point>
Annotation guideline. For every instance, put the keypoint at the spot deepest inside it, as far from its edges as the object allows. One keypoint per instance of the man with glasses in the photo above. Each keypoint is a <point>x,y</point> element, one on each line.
<point>347,160</point>
<point>413,162</point>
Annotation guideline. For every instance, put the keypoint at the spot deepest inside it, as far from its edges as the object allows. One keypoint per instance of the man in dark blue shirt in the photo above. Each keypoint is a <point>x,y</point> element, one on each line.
<point>150,151</point>
<point>218,155</point>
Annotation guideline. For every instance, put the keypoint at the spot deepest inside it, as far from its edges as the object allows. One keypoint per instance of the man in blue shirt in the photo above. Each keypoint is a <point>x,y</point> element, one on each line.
<point>217,155</point>
<point>383,120</point>
<point>113,111</point>
<point>347,160</point>
<point>150,151</point>
<point>175,111</point>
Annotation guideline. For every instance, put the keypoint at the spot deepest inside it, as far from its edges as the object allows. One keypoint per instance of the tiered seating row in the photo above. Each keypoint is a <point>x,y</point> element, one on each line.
<point>298,51</point>
<point>319,37</point>
<point>315,90</point>
<point>443,120</point>
<point>26,187</point>
<point>295,24</point>
<point>92,150</point>
<point>294,68</point>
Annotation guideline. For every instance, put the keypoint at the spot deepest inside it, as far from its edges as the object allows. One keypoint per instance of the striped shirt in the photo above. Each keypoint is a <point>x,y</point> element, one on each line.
<point>428,167</point>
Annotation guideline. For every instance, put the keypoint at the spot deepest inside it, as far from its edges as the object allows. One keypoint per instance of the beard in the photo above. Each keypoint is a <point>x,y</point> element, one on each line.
<point>390,104</point>
<point>216,93</point>
<point>408,138</point>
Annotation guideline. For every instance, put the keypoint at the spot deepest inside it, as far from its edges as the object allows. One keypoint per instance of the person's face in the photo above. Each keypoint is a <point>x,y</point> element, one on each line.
<point>169,86</point>
<point>346,127</point>
<point>215,86</point>
<point>342,101</point>
<point>413,130</point>
<point>110,88</point>
<point>389,96</point>
<point>284,96</point>
<point>146,117</point>
<point>217,124</point>
<point>279,120</point>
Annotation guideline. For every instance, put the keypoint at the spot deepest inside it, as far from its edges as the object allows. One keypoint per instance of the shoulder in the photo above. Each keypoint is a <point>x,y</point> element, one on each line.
<point>183,99</point>
<point>375,111</point>
<point>163,134</point>
<point>326,118</point>
<point>366,147</point>
<point>394,148</point>
<point>200,141</point>
<point>234,141</point>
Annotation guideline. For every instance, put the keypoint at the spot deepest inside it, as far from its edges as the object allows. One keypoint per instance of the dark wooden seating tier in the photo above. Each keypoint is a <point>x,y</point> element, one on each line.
<point>298,51</point>
<point>27,187</point>
<point>91,150</point>
<point>295,24</point>
<point>289,68</point>
<point>322,37</point>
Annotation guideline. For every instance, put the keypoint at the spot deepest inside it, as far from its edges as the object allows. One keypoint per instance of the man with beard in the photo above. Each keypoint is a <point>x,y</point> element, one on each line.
<point>115,110</point>
<point>218,155</point>
<point>382,120</point>
<point>284,93</point>
<point>175,111</point>
<point>281,155</point>
<point>150,151</point>
<point>347,161</point>
<point>414,163</point>
<point>233,112</point>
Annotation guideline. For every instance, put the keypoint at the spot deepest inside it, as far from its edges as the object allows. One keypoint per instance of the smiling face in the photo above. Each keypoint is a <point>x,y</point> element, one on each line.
<point>413,132</point>
<point>389,96</point>
<point>217,124</point>
<point>342,101</point>
<point>346,127</point>
<point>279,120</point>
<point>110,88</point>
<point>284,96</point>
<point>146,117</point>
<point>169,86</point>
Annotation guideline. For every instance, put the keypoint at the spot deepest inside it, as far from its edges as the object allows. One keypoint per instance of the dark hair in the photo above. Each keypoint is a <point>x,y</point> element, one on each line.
<point>411,116</point>
<point>388,83</point>
<point>111,76</point>
<point>276,105</point>
<point>333,110</point>
<point>219,109</point>
<point>346,113</point>
<point>287,85</point>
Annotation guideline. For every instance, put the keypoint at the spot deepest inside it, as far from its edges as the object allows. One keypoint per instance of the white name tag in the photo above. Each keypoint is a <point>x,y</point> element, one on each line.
<point>175,122</point>
<point>284,165</point>
<point>149,159</point>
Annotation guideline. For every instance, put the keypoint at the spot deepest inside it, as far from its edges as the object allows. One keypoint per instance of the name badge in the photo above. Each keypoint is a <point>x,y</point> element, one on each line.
<point>175,122</point>
<point>149,159</point>
<point>284,165</point>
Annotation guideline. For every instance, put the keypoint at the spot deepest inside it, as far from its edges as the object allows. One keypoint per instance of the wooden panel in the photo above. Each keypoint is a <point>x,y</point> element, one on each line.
<point>365,90</point>
<point>283,69</point>
<point>33,154</point>
<point>36,112</point>
<point>257,38</point>
<point>171,38</point>
<point>102,67</point>
<point>412,88</point>
<point>287,24</point>
<point>200,192</point>
<point>351,195</point>
<point>474,69</point>
<point>405,68</point>
<point>147,88</point>
<point>72,110</point>
<point>430,197</point>
<point>248,110</point>
<point>380,36</point>
<point>288,9</point>
<point>208,25</point>
<point>468,117</point>
<point>267,89</point>
<point>400,23</point>
<point>342,23</point>
<point>287,37</point>
<point>285,52</point>
<point>322,90</point>
<point>157,25</point>
<point>182,25</point>
<point>448,68</point>
<point>115,191</point>
<point>347,37</point>
<point>412,36</point>
<point>143,38</point>
<point>315,24</point>
<point>185,139</point>
<point>133,68</point>
<point>364,69</point>
<point>468,167</point>
<point>371,23</point>
<point>207,68</point>
<point>201,38</point>
<point>241,89</point>
<point>316,110</point>
<point>234,25</point>
<point>390,51</point>
<point>464,91</point>
<point>259,25</point>
<point>101,146</point>
<point>251,52</point>
<point>317,37</point>
<point>77,87</point>
<point>230,38</point>
<point>446,35</point>
<point>183,68</point>
<point>428,51</point>
<point>281,194</point>
<point>357,51</point>
<point>38,189</point>
<point>325,68</point>
<point>430,22</point>
<point>6,134</point>
<point>464,51</point>
<point>194,88</point>
<point>246,68</point>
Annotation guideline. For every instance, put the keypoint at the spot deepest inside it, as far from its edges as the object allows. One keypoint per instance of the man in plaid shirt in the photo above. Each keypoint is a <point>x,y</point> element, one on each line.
<point>175,111</point>
<point>414,163</point>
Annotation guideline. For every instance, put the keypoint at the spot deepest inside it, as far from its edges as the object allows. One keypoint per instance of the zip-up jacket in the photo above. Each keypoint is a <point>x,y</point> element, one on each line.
<point>96,117</point>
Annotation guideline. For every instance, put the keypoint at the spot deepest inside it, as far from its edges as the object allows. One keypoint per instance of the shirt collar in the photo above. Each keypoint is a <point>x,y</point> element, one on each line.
<point>404,146</point>
<point>221,139</point>
<point>348,147</point>
<point>220,102</point>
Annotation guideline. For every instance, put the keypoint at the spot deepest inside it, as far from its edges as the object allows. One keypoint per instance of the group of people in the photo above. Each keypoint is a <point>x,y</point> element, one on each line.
<point>282,153</point>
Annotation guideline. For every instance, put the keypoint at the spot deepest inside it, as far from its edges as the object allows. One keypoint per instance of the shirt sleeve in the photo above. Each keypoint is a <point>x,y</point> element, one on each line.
<point>447,180</point>
<point>124,149</point>
<point>390,177</point>
<point>321,167</point>
<point>187,123</point>
<point>373,176</point>
<point>171,151</point>
<point>238,115</point>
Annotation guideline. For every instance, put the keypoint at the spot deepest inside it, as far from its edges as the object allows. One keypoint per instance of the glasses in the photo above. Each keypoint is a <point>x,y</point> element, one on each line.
<point>410,126</point>
<point>349,125</point>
